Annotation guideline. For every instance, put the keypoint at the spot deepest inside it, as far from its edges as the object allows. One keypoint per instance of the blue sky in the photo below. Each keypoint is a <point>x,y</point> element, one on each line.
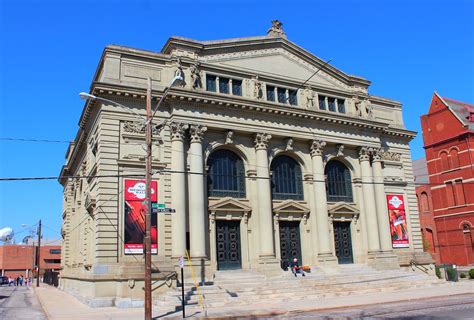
<point>49,51</point>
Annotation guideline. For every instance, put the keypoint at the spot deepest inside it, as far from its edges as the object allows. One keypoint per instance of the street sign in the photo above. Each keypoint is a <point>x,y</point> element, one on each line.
<point>162,210</point>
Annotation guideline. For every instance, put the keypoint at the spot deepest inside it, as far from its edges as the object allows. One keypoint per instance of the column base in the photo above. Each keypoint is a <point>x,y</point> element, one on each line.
<point>383,260</point>
<point>269,266</point>
<point>327,263</point>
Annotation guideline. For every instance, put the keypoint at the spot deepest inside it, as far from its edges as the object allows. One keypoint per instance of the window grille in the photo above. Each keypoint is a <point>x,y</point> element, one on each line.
<point>287,182</point>
<point>338,182</point>
<point>226,176</point>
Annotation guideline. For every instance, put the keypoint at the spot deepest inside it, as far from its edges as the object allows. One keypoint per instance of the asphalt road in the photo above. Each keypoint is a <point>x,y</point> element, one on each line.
<point>19,303</point>
<point>454,307</point>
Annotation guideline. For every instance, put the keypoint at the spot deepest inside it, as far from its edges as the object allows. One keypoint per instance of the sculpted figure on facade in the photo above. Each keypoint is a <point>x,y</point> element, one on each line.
<point>289,144</point>
<point>317,147</point>
<point>309,93</point>
<point>196,75</point>
<point>229,137</point>
<point>134,127</point>
<point>262,140</point>
<point>178,129</point>
<point>258,89</point>
<point>368,108</point>
<point>340,150</point>
<point>179,72</point>
<point>196,132</point>
<point>276,29</point>
<point>357,105</point>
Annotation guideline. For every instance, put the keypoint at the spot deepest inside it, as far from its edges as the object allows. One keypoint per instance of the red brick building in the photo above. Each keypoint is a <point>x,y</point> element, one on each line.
<point>448,134</point>
<point>18,259</point>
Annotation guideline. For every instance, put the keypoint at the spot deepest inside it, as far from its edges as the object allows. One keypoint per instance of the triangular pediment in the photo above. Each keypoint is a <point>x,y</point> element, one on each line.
<point>274,57</point>
<point>343,208</point>
<point>290,206</point>
<point>279,65</point>
<point>229,204</point>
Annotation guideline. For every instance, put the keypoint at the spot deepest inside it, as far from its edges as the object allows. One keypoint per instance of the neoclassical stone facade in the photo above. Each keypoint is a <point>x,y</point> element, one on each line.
<point>258,167</point>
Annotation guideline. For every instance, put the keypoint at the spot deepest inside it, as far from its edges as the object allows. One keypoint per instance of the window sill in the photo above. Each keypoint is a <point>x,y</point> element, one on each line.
<point>458,206</point>
<point>450,170</point>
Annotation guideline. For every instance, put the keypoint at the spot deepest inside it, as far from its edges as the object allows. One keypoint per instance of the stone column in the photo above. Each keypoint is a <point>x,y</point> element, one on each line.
<point>381,202</point>
<point>265,218</point>
<point>197,204</point>
<point>320,199</point>
<point>178,188</point>
<point>369,201</point>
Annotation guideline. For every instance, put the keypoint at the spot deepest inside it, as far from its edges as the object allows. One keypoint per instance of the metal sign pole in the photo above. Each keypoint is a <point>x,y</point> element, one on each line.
<point>181,266</point>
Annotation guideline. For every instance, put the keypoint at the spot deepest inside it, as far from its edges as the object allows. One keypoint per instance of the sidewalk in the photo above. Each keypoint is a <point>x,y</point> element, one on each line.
<point>59,305</point>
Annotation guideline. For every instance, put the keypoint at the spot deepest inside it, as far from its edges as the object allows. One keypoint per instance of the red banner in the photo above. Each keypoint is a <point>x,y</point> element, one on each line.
<point>135,208</point>
<point>398,221</point>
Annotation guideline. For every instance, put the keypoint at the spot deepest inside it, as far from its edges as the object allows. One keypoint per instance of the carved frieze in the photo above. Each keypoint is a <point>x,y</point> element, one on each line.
<point>134,127</point>
<point>317,147</point>
<point>390,156</point>
<point>261,140</point>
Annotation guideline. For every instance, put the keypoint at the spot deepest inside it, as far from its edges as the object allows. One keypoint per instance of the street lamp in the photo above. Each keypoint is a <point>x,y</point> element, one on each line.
<point>149,117</point>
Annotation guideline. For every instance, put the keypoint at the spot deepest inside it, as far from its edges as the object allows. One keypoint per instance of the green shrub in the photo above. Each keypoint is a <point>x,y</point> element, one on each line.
<point>471,274</point>
<point>462,275</point>
<point>438,272</point>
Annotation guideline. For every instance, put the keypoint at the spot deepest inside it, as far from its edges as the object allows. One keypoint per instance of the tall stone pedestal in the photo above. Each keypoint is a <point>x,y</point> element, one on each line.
<point>327,263</point>
<point>269,266</point>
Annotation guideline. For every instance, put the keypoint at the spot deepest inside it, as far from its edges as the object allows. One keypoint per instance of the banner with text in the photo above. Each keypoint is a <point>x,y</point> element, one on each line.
<point>398,221</point>
<point>135,208</point>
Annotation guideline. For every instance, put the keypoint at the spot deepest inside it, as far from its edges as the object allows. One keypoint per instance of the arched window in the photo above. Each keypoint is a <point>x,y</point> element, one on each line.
<point>453,154</point>
<point>338,182</point>
<point>424,204</point>
<point>287,182</point>
<point>226,176</point>
<point>444,161</point>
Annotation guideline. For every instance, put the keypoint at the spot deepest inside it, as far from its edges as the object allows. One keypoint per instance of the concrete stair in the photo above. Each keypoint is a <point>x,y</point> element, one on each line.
<point>245,288</point>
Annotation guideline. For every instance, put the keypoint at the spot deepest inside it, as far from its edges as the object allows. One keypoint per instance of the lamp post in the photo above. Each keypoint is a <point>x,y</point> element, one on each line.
<point>148,167</point>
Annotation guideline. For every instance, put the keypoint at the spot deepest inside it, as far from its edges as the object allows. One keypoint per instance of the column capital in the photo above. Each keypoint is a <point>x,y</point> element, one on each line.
<point>377,154</point>
<point>317,147</point>
<point>261,140</point>
<point>177,130</point>
<point>364,153</point>
<point>197,132</point>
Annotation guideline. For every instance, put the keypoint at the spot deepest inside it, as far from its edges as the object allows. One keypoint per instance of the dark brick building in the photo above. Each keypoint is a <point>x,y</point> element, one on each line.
<point>18,259</point>
<point>447,203</point>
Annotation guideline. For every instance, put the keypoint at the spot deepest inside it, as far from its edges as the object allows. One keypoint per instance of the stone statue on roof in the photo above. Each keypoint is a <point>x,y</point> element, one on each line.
<point>276,29</point>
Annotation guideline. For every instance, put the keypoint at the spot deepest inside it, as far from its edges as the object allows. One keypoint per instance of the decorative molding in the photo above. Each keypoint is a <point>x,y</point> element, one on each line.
<point>390,156</point>
<point>317,147</point>
<point>261,140</point>
<point>276,29</point>
<point>134,127</point>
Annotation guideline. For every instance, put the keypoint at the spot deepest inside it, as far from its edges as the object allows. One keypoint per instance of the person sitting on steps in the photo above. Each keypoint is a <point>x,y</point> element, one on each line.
<point>295,268</point>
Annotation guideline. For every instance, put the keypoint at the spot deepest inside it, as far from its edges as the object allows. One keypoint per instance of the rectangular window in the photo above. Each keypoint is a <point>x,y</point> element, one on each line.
<point>281,95</point>
<point>270,93</point>
<point>224,85</point>
<point>322,103</point>
<point>450,194</point>
<point>459,193</point>
<point>211,83</point>
<point>292,97</point>
<point>332,104</point>
<point>341,108</point>
<point>236,87</point>
<point>55,251</point>
<point>52,260</point>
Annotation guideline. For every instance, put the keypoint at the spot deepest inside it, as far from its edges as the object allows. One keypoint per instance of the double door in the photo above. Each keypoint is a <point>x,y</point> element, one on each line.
<point>342,242</point>
<point>228,245</point>
<point>290,242</point>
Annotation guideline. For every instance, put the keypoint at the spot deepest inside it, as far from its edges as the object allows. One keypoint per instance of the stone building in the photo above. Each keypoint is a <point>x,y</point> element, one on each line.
<point>264,151</point>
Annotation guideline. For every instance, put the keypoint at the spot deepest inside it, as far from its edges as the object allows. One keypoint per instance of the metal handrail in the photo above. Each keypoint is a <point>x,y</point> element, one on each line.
<point>419,266</point>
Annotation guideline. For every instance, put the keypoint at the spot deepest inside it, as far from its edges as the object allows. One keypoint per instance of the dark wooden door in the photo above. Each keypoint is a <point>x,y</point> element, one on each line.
<point>342,241</point>
<point>228,245</point>
<point>290,242</point>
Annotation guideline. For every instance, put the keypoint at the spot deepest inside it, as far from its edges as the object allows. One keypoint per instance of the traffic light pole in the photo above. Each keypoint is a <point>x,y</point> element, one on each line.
<point>38,260</point>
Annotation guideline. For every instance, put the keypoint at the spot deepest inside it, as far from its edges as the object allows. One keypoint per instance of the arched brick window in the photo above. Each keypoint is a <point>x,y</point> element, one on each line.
<point>444,161</point>
<point>424,203</point>
<point>453,154</point>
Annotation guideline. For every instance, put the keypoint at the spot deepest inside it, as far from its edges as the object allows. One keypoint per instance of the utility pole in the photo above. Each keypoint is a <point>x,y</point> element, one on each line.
<point>148,206</point>
<point>38,260</point>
